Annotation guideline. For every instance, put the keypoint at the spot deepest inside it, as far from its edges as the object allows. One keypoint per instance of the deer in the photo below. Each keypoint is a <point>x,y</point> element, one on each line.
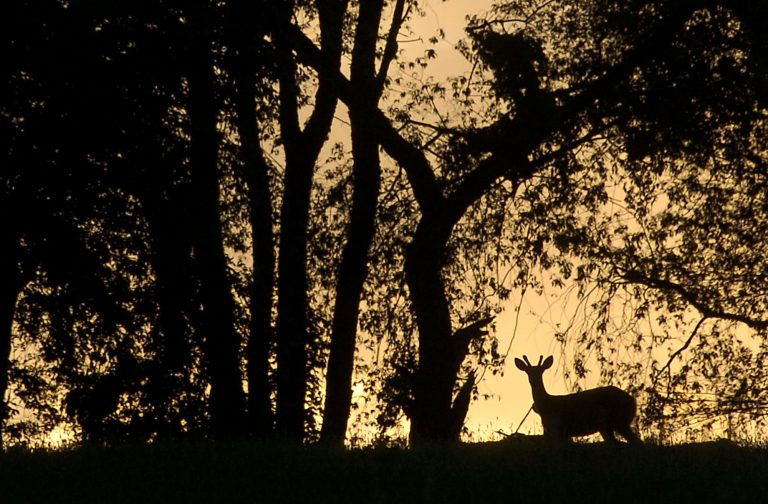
<point>606,410</point>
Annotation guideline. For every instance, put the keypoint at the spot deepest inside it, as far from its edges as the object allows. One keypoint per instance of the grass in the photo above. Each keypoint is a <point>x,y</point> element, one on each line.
<point>520,471</point>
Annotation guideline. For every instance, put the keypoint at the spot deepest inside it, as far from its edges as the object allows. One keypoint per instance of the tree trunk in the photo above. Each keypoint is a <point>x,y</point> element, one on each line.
<point>261,334</point>
<point>241,18</point>
<point>433,387</point>
<point>353,268</point>
<point>292,322</point>
<point>302,149</point>
<point>441,351</point>
<point>222,343</point>
<point>171,257</point>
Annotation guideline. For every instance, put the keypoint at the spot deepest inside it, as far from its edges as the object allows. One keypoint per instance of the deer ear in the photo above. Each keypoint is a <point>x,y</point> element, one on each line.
<point>520,364</point>
<point>547,362</point>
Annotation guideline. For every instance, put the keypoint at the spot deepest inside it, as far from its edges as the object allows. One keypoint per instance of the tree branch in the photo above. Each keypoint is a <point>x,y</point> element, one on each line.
<point>462,338</point>
<point>410,157</point>
<point>702,307</point>
<point>390,49</point>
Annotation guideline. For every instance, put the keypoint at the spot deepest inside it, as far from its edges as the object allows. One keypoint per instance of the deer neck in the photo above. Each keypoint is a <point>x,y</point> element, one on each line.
<point>540,395</point>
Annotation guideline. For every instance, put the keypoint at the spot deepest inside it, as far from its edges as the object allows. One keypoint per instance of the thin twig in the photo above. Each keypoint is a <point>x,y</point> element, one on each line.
<point>681,349</point>
<point>523,420</point>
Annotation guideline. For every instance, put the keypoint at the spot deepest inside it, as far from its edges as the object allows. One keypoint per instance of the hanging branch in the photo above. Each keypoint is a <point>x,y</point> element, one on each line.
<point>690,297</point>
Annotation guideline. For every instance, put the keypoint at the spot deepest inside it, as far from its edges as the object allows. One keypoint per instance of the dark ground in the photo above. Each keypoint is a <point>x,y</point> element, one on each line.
<point>524,471</point>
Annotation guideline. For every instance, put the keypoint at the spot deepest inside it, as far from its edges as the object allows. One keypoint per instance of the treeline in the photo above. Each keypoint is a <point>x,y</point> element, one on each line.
<point>181,257</point>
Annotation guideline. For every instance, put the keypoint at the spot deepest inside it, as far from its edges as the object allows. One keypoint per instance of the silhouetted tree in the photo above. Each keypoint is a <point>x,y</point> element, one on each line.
<point>368,85</point>
<point>246,27</point>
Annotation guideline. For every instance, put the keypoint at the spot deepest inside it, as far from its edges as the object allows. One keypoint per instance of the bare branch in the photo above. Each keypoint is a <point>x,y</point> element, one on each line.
<point>390,49</point>
<point>410,157</point>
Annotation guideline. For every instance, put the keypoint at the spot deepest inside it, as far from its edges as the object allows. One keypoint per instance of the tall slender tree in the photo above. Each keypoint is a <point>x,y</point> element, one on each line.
<point>250,62</point>
<point>301,147</point>
<point>367,83</point>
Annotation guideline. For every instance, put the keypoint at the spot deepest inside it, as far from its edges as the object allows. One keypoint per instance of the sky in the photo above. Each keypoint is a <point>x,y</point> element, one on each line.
<point>527,324</point>
<point>509,396</point>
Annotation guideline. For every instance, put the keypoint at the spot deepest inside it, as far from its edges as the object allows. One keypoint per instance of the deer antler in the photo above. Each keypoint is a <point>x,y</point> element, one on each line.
<point>541,358</point>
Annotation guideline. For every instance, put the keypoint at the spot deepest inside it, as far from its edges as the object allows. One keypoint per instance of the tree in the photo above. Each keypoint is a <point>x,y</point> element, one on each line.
<point>368,85</point>
<point>248,48</point>
<point>46,237</point>
<point>302,148</point>
<point>676,248</point>
<point>109,82</point>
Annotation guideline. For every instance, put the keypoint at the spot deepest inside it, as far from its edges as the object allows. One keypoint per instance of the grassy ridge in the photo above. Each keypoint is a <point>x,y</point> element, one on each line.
<point>526,472</point>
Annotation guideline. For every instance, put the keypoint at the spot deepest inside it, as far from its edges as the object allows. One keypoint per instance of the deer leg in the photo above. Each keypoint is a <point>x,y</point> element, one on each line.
<point>630,435</point>
<point>608,435</point>
<point>554,435</point>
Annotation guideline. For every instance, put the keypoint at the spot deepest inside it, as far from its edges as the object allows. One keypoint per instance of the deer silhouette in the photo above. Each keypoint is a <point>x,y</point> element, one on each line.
<point>606,410</point>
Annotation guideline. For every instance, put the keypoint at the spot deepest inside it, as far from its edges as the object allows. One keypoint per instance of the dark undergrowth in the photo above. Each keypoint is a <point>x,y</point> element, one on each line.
<point>521,471</point>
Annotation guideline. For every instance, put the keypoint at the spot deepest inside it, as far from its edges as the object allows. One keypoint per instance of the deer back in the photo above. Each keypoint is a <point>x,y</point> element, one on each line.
<point>590,409</point>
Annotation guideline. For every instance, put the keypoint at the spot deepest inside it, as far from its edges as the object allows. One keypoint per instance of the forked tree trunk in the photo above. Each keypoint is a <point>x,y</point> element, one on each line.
<point>302,149</point>
<point>292,303</point>
<point>353,268</point>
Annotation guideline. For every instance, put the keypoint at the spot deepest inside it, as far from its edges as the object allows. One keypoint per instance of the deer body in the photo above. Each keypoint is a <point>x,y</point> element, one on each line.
<point>606,410</point>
